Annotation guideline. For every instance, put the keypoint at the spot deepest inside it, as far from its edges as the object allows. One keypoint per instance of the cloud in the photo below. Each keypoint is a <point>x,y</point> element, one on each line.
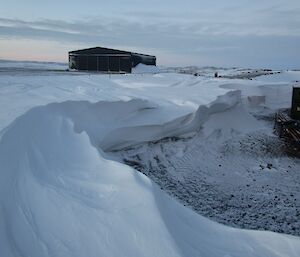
<point>156,32</point>
<point>273,20</point>
<point>228,36</point>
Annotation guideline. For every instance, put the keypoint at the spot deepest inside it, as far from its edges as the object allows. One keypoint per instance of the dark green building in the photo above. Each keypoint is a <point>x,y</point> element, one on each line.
<point>107,60</point>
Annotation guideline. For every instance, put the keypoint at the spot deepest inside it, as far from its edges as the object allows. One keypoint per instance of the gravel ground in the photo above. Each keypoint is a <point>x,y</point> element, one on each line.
<point>246,181</point>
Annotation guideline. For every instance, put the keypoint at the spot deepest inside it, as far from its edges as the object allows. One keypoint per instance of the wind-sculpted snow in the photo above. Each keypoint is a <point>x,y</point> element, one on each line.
<point>59,196</point>
<point>126,136</point>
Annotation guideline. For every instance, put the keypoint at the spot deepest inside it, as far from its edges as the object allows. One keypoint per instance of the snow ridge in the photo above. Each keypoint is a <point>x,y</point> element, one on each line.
<point>61,196</point>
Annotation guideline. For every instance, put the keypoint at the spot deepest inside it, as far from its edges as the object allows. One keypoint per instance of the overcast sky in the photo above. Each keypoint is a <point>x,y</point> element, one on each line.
<point>245,33</point>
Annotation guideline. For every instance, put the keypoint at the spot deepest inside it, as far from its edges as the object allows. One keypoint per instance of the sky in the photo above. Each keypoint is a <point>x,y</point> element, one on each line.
<point>231,33</point>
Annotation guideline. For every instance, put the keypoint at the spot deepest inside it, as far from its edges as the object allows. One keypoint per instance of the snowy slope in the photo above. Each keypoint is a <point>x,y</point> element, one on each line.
<point>59,196</point>
<point>60,193</point>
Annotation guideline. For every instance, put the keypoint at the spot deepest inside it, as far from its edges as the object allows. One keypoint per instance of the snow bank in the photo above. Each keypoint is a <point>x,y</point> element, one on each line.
<point>236,120</point>
<point>256,100</point>
<point>273,96</point>
<point>126,136</point>
<point>143,68</point>
<point>59,196</point>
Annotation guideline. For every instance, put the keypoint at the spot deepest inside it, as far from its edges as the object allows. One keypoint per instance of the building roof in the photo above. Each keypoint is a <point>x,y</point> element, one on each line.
<point>103,50</point>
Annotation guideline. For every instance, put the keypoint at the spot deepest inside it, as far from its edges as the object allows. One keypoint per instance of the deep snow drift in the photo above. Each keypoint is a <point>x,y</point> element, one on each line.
<point>60,196</point>
<point>142,68</point>
<point>233,171</point>
<point>64,193</point>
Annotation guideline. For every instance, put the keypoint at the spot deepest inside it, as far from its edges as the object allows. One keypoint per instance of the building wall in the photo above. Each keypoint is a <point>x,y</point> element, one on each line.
<point>107,63</point>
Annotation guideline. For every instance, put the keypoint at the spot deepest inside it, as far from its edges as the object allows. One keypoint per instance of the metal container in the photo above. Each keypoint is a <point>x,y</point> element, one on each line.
<point>295,110</point>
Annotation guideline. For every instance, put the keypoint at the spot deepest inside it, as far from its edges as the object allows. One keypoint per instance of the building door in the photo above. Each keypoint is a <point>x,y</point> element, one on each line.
<point>92,63</point>
<point>114,63</point>
<point>125,64</point>
<point>103,63</point>
<point>83,62</point>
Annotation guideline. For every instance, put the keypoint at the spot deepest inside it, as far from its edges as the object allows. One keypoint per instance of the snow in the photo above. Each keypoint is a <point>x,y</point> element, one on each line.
<point>143,68</point>
<point>283,77</point>
<point>129,135</point>
<point>8,65</point>
<point>64,193</point>
<point>237,119</point>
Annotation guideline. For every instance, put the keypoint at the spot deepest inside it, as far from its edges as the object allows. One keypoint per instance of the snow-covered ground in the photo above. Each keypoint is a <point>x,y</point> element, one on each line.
<point>68,139</point>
